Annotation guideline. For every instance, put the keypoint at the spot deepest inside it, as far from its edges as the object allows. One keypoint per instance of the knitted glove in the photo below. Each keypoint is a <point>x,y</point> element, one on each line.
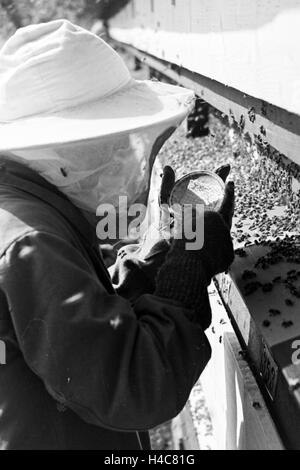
<point>185,275</point>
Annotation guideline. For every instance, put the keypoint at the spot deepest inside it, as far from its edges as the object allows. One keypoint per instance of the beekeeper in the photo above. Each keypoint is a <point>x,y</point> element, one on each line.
<point>93,360</point>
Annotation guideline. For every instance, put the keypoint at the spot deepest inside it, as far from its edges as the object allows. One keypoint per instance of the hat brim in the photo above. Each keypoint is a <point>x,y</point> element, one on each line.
<point>139,105</point>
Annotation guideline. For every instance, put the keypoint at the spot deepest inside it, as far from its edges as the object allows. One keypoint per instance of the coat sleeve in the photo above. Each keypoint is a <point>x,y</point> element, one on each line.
<point>116,365</point>
<point>133,276</point>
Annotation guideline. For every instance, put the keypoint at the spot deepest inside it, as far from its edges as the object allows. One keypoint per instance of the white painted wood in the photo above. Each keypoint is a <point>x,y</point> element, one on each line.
<point>236,105</point>
<point>251,46</point>
<point>239,415</point>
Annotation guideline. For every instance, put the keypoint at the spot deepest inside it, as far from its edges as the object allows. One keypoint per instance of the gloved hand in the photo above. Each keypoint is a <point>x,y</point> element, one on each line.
<point>185,275</point>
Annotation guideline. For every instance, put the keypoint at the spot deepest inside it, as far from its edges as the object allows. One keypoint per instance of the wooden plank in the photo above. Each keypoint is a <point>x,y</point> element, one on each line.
<point>239,415</point>
<point>270,345</point>
<point>267,123</point>
<point>250,46</point>
<point>254,428</point>
<point>242,419</point>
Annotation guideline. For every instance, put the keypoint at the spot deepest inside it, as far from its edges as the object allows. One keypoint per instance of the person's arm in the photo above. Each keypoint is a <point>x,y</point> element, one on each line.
<point>116,365</point>
<point>133,276</point>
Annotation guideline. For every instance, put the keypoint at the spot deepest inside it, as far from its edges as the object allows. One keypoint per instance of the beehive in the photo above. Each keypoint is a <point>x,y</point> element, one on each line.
<point>242,58</point>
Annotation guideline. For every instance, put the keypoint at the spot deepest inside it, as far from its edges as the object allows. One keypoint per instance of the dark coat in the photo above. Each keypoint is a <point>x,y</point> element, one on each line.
<point>86,367</point>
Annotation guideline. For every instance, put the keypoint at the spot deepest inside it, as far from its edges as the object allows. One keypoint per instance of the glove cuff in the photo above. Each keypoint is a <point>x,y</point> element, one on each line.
<point>182,278</point>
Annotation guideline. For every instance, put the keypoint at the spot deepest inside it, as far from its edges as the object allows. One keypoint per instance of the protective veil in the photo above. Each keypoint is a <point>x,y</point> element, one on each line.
<point>100,171</point>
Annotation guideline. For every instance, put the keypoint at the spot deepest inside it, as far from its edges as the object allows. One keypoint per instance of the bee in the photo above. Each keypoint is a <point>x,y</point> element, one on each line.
<point>274,312</point>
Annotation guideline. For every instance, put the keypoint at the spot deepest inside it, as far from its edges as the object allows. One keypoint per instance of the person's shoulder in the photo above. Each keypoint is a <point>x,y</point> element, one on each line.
<point>21,215</point>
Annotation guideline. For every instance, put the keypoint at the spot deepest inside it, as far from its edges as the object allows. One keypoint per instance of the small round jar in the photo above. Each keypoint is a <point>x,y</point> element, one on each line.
<point>199,187</point>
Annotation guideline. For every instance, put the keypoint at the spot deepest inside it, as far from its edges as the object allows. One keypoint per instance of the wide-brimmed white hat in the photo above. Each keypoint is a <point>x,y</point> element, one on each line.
<point>59,84</point>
